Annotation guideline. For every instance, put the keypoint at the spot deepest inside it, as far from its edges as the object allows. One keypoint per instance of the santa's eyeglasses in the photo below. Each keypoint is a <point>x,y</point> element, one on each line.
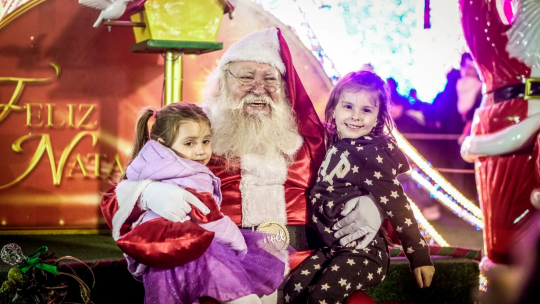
<point>249,84</point>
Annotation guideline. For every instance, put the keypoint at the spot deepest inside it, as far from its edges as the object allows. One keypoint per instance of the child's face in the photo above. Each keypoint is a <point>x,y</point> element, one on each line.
<point>193,142</point>
<point>355,114</point>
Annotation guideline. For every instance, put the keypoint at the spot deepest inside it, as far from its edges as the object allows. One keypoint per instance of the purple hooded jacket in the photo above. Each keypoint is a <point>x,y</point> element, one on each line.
<point>159,163</point>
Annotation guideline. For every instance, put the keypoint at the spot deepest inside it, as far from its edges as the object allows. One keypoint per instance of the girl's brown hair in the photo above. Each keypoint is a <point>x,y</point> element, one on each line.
<point>361,81</point>
<point>165,128</point>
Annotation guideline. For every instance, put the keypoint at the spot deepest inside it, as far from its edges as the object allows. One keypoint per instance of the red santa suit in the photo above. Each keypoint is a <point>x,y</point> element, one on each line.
<point>248,199</point>
<point>505,181</point>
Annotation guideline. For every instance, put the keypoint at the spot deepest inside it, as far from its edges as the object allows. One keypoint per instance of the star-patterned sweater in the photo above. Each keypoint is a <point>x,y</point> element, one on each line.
<point>355,167</point>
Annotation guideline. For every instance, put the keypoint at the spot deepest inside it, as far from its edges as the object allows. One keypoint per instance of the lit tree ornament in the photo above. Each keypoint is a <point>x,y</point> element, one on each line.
<point>12,254</point>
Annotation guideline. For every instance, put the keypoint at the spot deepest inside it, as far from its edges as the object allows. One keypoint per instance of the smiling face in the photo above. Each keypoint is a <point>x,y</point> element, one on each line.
<point>265,126</point>
<point>255,101</point>
<point>193,142</point>
<point>355,114</point>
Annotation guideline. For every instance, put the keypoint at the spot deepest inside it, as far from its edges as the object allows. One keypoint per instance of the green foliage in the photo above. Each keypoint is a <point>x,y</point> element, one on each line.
<point>455,281</point>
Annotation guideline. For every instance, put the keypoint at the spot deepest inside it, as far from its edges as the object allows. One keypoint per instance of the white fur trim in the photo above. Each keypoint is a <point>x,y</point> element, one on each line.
<point>293,150</point>
<point>270,299</point>
<point>249,299</point>
<point>127,195</point>
<point>262,46</point>
<point>523,41</point>
<point>287,269</point>
<point>261,185</point>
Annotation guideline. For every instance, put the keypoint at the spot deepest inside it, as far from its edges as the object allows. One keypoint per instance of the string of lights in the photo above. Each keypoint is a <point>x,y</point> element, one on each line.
<point>482,283</point>
<point>297,19</point>
<point>426,225</point>
<point>440,182</point>
<point>447,201</point>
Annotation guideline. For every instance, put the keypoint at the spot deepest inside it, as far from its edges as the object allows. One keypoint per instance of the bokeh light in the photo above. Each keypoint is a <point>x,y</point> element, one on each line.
<point>389,34</point>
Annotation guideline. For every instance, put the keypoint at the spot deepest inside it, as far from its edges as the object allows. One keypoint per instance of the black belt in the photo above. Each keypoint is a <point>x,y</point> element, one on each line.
<point>518,91</point>
<point>299,236</point>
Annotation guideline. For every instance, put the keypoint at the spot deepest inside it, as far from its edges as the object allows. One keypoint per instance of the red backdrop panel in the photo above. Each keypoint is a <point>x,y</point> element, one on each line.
<point>65,140</point>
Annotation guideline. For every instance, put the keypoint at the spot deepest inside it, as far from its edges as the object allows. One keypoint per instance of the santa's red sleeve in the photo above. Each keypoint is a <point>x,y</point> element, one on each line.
<point>159,242</point>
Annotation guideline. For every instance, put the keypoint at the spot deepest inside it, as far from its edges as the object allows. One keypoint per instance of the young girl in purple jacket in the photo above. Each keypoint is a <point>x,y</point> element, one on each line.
<point>234,268</point>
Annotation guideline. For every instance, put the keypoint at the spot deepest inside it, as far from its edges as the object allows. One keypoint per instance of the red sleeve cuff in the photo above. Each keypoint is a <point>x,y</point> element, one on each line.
<point>161,243</point>
<point>209,201</point>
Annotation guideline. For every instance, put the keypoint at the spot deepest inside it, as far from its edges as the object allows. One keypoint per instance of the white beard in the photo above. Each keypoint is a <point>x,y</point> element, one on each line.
<point>262,146</point>
<point>235,134</point>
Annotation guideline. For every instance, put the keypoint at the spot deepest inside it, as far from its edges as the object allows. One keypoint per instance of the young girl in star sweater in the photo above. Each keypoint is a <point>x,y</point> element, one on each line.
<point>362,159</point>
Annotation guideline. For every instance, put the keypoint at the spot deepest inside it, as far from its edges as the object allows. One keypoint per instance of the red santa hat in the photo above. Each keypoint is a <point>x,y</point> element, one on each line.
<point>268,46</point>
<point>262,46</point>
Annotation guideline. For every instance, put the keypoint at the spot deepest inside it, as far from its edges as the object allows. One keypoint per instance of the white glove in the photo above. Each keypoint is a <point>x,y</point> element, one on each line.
<point>535,198</point>
<point>227,233</point>
<point>465,150</point>
<point>170,201</point>
<point>363,218</point>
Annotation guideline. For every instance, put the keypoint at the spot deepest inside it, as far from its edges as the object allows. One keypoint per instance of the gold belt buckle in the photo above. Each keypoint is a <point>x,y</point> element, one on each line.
<point>528,84</point>
<point>277,234</point>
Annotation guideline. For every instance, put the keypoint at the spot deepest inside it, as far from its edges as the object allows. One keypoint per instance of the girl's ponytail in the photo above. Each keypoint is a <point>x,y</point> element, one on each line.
<point>142,135</point>
<point>166,127</point>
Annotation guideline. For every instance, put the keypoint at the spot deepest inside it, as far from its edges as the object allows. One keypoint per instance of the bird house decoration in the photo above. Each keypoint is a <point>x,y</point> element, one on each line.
<point>188,20</point>
<point>169,27</point>
<point>176,20</point>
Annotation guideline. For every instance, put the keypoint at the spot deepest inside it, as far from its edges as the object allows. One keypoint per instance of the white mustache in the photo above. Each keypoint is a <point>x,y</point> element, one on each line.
<point>252,98</point>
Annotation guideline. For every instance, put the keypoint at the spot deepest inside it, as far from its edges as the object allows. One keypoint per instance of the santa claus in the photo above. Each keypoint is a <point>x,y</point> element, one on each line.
<point>268,143</point>
<point>504,136</point>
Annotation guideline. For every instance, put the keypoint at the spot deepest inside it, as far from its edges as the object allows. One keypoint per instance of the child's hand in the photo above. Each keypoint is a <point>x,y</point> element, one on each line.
<point>227,233</point>
<point>170,201</point>
<point>424,275</point>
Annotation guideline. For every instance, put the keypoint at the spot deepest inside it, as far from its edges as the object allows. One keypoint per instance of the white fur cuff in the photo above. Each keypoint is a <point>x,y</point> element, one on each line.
<point>127,195</point>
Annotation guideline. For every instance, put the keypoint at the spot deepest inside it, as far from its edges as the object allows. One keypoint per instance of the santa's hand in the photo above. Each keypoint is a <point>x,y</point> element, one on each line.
<point>362,219</point>
<point>227,233</point>
<point>465,150</point>
<point>170,201</point>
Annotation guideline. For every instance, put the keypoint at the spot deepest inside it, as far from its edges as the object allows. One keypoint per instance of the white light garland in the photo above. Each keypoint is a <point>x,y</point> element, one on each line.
<point>8,6</point>
<point>446,201</point>
<point>423,165</point>
<point>292,14</point>
<point>427,226</point>
<point>482,283</point>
